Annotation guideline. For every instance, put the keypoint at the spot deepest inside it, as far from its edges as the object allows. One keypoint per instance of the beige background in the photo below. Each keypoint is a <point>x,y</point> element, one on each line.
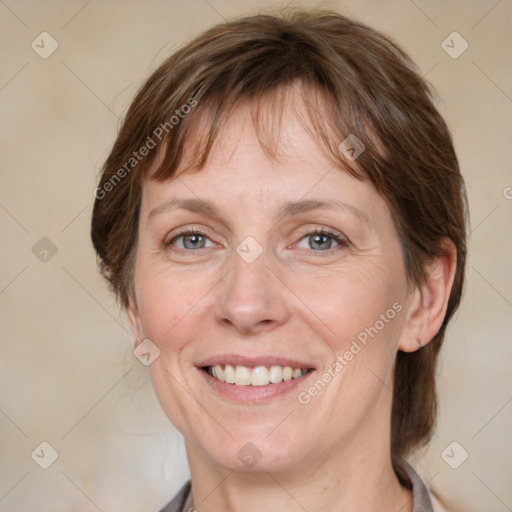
<point>67,374</point>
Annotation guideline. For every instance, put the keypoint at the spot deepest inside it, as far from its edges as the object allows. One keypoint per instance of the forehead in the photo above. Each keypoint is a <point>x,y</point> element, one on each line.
<point>280,132</point>
<point>242,155</point>
<point>241,147</point>
<point>278,118</point>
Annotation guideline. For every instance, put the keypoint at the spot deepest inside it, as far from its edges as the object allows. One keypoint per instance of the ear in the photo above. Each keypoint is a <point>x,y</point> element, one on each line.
<point>132,314</point>
<point>427,308</point>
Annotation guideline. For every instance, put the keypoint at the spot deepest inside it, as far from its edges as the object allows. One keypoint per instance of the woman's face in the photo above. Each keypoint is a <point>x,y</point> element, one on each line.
<point>250,284</point>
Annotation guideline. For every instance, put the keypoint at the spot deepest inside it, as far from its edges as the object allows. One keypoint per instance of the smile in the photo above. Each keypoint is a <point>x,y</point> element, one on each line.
<point>257,376</point>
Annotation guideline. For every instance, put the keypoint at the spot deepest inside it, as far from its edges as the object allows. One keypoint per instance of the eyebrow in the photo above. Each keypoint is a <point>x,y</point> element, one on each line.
<point>287,209</point>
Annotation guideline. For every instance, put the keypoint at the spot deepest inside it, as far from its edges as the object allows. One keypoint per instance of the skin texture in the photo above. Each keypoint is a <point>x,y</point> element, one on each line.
<point>294,301</point>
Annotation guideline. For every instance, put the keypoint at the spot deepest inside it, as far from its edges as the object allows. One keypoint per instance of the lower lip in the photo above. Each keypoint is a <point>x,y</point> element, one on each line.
<point>253,394</point>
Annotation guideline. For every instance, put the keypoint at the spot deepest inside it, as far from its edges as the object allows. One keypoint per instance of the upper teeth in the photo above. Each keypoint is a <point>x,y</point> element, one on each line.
<point>259,376</point>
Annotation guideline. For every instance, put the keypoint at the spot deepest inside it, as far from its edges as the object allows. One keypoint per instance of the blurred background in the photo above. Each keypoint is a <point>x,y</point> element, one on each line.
<point>80,428</point>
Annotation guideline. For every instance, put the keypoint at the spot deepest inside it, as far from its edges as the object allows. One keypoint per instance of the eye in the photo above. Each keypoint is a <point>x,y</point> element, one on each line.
<point>321,240</point>
<point>190,240</point>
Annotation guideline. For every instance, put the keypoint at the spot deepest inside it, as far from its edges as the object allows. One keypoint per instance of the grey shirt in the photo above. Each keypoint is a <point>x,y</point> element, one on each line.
<point>421,496</point>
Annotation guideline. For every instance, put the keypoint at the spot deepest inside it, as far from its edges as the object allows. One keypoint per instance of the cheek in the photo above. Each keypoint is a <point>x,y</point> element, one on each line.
<point>348,304</point>
<point>169,303</point>
<point>165,299</point>
<point>361,322</point>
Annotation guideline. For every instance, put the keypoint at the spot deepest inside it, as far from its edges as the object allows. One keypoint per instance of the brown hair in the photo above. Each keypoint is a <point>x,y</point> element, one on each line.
<point>357,82</point>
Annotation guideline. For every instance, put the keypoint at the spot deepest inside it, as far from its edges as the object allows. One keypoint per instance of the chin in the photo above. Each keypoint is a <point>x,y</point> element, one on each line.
<point>256,454</point>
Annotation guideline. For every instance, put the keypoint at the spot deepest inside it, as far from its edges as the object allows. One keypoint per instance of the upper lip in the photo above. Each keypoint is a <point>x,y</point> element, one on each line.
<point>253,361</point>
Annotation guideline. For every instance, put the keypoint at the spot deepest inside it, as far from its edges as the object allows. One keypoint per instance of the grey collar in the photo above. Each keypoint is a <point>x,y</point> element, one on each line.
<point>421,495</point>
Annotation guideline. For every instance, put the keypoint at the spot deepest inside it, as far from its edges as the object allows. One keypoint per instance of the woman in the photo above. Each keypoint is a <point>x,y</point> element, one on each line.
<point>284,220</point>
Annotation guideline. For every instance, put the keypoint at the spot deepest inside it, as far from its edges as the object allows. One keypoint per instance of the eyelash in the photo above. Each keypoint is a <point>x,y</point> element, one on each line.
<point>342,242</point>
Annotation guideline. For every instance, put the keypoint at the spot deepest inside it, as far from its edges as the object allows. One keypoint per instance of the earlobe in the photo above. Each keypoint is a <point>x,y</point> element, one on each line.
<point>428,306</point>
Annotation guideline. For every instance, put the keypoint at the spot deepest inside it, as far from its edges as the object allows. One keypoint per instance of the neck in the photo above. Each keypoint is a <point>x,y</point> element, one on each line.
<point>348,479</point>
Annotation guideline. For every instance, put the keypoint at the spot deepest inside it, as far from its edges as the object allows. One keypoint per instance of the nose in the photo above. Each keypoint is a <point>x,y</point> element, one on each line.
<point>252,298</point>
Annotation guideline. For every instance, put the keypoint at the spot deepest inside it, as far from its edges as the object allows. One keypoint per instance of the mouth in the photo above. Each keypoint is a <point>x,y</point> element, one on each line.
<point>258,376</point>
<point>253,379</point>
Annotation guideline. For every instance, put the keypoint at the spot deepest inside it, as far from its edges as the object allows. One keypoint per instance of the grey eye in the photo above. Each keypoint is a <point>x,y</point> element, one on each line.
<point>321,242</point>
<point>191,241</point>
